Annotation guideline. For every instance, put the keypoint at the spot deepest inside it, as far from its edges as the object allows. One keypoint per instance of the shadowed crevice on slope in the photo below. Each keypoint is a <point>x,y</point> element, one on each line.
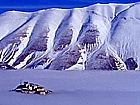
<point>39,44</point>
<point>12,43</point>
<point>64,33</point>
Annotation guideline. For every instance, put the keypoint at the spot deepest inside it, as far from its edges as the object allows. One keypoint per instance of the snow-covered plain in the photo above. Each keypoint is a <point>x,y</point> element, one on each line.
<point>100,36</point>
<point>73,87</point>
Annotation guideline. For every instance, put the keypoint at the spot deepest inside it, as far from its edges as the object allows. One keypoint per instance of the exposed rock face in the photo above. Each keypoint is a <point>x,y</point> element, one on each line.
<point>98,37</point>
<point>90,38</point>
<point>104,59</point>
<point>64,40</point>
<point>39,44</point>
<point>4,65</point>
<point>67,59</point>
<point>131,64</point>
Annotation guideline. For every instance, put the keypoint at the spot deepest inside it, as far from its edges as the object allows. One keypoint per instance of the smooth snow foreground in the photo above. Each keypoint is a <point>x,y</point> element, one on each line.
<point>73,87</point>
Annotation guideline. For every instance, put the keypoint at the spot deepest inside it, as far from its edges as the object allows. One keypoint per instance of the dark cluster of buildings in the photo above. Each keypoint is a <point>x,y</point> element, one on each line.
<point>31,88</point>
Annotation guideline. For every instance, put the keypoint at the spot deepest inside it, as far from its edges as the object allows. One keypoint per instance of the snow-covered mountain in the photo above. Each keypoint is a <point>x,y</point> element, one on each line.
<point>100,36</point>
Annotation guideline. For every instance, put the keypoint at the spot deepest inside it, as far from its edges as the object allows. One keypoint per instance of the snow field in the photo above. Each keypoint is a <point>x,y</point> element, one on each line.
<point>73,87</point>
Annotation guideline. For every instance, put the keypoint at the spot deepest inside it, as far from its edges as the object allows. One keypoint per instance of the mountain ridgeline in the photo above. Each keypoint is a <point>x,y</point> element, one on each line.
<point>97,37</point>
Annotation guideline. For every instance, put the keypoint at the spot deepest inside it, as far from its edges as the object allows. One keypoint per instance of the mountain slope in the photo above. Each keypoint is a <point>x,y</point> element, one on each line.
<point>101,36</point>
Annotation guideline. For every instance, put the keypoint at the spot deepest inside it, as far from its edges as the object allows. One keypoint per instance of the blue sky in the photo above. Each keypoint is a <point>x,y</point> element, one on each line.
<point>32,5</point>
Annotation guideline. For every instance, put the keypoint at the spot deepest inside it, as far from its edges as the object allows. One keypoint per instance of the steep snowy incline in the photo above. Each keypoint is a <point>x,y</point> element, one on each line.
<point>100,36</point>
<point>15,18</point>
<point>125,33</point>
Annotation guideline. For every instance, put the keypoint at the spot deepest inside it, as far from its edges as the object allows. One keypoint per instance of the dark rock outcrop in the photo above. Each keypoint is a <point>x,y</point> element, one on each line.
<point>131,64</point>
<point>4,65</point>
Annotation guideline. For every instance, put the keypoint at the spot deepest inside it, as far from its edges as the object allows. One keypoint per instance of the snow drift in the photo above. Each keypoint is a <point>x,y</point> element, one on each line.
<point>73,87</point>
<point>100,36</point>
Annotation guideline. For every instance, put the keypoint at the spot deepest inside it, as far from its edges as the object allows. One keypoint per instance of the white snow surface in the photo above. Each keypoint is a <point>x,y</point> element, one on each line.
<point>73,87</point>
<point>66,39</point>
